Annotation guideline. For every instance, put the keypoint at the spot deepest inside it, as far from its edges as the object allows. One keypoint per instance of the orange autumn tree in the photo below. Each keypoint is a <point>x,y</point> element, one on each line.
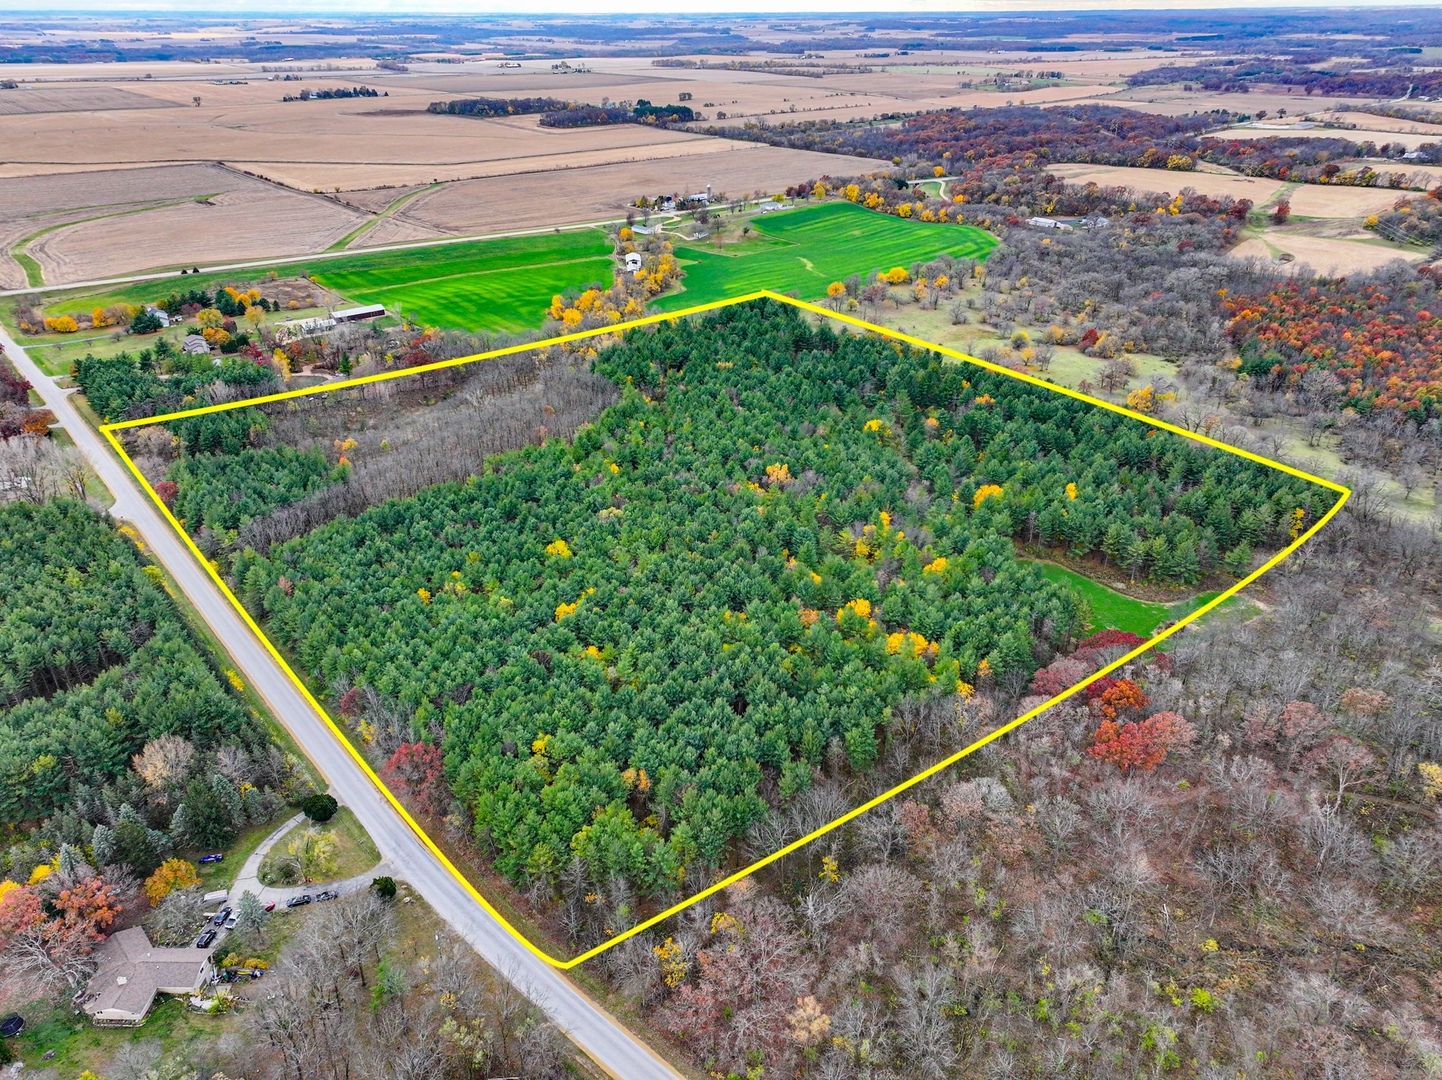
<point>1123,696</point>
<point>1142,744</point>
<point>172,874</point>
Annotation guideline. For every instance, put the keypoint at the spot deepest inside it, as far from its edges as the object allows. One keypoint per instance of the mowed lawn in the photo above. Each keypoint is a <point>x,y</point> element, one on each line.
<point>501,285</point>
<point>804,250</point>
<point>1112,610</point>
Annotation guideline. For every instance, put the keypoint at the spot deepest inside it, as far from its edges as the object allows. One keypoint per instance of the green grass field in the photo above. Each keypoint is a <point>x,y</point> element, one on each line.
<point>806,249</point>
<point>503,285</point>
<point>1112,610</point>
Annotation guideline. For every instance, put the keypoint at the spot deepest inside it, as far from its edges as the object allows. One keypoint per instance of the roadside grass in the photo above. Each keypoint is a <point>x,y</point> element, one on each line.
<point>806,249</point>
<point>355,850</point>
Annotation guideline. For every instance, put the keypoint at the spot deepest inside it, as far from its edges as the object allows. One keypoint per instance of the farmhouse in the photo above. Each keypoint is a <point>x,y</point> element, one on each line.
<point>160,314</point>
<point>356,314</point>
<point>132,971</point>
<point>194,345</point>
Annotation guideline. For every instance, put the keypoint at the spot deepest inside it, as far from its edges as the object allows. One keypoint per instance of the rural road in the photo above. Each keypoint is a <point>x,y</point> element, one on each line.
<point>603,1038</point>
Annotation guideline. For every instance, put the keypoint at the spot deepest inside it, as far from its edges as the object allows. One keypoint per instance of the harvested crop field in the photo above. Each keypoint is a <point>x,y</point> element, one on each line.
<point>807,249</point>
<point>1326,255</point>
<point>500,285</point>
<point>29,100</point>
<point>605,191</point>
<point>254,220</point>
<point>1258,189</point>
<point>1328,201</point>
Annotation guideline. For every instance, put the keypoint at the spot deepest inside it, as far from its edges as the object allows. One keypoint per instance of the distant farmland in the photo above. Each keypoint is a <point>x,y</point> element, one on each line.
<point>502,285</point>
<point>805,250</point>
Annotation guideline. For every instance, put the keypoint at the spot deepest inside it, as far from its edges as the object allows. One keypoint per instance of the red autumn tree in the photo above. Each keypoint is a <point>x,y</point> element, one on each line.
<point>167,490</point>
<point>1141,744</point>
<point>421,768</point>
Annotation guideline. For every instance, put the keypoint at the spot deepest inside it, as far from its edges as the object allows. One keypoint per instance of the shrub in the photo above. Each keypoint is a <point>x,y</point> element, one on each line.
<point>319,807</point>
<point>384,887</point>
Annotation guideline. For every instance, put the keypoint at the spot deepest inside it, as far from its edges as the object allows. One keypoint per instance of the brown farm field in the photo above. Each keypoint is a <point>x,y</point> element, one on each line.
<point>107,173</point>
<point>604,191</point>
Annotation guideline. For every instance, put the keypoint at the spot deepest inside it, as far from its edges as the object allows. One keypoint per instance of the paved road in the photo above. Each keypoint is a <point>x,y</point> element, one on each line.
<point>598,1034</point>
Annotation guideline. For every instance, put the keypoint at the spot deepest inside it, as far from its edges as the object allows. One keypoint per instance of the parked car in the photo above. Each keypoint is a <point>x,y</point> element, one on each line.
<point>212,858</point>
<point>221,916</point>
<point>327,895</point>
<point>203,942</point>
<point>230,922</point>
<point>299,901</point>
<point>270,905</point>
<point>11,1026</point>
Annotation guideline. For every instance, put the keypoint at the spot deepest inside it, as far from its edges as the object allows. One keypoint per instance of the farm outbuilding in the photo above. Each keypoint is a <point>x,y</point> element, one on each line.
<point>633,262</point>
<point>357,314</point>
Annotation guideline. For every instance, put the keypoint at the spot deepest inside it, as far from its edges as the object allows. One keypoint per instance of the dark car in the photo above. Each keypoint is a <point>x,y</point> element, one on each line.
<point>212,858</point>
<point>221,916</point>
<point>203,942</point>
<point>11,1026</point>
<point>298,901</point>
<point>327,895</point>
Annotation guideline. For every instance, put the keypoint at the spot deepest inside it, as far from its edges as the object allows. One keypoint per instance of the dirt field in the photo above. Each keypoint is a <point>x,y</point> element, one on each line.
<point>1258,189</point>
<point>251,221</point>
<point>66,99</point>
<point>477,206</point>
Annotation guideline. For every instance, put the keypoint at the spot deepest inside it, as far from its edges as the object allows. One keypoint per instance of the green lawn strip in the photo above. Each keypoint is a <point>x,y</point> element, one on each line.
<point>34,276</point>
<point>366,226</point>
<point>355,851</point>
<point>824,243</point>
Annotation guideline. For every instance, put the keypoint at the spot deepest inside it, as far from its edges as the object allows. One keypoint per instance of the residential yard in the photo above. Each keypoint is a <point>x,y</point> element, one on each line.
<point>355,850</point>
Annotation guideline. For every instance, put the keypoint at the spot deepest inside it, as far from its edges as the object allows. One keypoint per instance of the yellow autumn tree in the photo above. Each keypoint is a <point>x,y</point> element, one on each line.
<point>172,874</point>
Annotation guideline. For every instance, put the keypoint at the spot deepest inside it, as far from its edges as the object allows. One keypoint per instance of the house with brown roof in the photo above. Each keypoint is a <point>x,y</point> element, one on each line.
<point>132,972</point>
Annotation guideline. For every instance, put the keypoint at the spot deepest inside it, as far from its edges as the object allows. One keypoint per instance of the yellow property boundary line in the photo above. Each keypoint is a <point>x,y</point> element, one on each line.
<point>109,430</point>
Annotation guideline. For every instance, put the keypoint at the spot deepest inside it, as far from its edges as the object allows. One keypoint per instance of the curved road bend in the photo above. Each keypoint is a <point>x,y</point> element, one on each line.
<point>598,1034</point>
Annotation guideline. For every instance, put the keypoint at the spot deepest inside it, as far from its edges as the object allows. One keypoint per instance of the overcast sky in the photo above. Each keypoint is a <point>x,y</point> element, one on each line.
<point>269,8</point>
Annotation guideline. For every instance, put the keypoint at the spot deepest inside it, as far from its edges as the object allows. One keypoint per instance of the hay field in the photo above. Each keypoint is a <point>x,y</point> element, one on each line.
<point>808,248</point>
<point>1257,188</point>
<point>498,285</point>
<point>602,192</point>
